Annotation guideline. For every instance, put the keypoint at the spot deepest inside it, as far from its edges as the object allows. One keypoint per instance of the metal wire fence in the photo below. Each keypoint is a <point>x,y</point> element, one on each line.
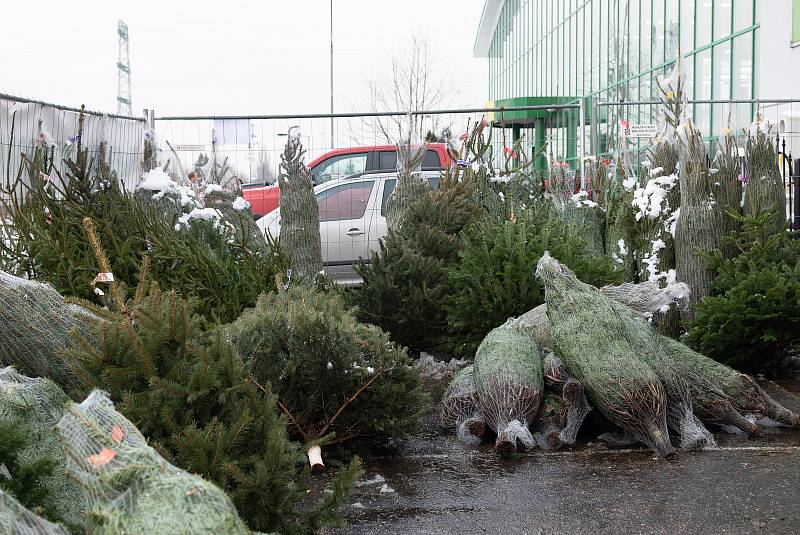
<point>26,124</point>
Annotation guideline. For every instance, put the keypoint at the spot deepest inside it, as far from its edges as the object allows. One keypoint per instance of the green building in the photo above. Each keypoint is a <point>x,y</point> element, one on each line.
<point>551,52</point>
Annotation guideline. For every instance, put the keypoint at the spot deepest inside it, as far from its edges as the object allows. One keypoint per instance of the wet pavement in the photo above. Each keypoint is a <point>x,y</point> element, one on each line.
<point>442,487</point>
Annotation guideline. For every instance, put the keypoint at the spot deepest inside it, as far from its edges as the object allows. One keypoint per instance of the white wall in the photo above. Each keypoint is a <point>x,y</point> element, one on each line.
<point>778,67</point>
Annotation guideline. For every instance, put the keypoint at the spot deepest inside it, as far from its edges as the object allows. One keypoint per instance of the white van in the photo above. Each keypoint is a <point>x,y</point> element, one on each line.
<point>352,219</point>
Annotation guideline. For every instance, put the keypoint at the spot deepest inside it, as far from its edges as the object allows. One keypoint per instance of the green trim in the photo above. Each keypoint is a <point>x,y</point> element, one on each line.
<point>796,23</point>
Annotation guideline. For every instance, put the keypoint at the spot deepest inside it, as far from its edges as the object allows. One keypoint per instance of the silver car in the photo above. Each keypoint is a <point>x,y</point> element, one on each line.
<point>352,219</point>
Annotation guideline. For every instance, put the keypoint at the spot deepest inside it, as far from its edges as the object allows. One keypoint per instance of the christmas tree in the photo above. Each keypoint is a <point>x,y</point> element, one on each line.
<point>299,237</point>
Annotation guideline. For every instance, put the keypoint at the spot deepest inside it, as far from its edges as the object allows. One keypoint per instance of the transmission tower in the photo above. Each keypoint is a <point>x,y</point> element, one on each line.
<point>123,72</point>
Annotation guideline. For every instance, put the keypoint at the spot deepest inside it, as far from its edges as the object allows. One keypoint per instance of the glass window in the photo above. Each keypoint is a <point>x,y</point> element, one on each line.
<point>647,28</point>
<point>702,113</point>
<point>743,14</point>
<point>743,67</point>
<point>431,160</point>
<point>339,167</point>
<point>348,201</point>
<point>722,18</point>
<point>672,28</point>
<point>703,18</point>
<point>687,26</point>
<point>387,160</point>
<point>722,84</point>
<point>659,32</point>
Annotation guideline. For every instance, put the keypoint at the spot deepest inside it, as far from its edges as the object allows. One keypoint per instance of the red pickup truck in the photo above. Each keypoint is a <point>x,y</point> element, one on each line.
<point>341,163</point>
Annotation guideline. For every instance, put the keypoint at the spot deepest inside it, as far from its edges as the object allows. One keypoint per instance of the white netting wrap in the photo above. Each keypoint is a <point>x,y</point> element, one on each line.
<point>38,404</point>
<point>131,488</point>
<point>17,520</point>
<point>36,324</point>
<point>508,380</point>
<point>460,408</point>
<point>647,298</point>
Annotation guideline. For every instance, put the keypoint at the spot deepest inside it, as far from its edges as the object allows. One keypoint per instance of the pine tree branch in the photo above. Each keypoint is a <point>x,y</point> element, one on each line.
<point>350,400</point>
<point>283,408</point>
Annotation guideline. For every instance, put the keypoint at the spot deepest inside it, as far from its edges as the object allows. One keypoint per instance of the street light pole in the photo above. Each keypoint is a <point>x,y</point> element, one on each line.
<point>332,74</point>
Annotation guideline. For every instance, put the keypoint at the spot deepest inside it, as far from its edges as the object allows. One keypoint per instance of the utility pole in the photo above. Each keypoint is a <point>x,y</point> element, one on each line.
<point>123,72</point>
<point>332,134</point>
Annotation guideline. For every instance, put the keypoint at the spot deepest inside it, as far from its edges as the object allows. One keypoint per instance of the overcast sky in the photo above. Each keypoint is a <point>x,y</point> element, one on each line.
<point>234,58</point>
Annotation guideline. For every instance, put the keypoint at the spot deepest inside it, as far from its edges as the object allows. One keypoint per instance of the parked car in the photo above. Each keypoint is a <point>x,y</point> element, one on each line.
<point>352,219</point>
<point>343,163</point>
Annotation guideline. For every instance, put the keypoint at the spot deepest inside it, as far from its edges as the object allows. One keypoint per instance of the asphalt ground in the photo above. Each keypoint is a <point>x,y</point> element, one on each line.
<point>746,485</point>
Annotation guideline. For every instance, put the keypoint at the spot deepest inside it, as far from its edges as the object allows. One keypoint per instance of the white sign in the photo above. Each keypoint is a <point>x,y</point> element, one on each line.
<point>190,147</point>
<point>642,130</point>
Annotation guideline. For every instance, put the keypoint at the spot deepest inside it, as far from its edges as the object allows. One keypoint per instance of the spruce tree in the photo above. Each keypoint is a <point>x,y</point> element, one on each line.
<point>299,236</point>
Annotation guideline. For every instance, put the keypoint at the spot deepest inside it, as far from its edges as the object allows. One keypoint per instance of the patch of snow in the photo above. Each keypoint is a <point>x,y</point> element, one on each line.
<point>649,201</point>
<point>160,184</point>
<point>240,204</point>
<point>656,171</point>
<point>204,214</point>
<point>377,479</point>
<point>629,183</point>
<point>581,199</point>
<point>211,188</point>
<point>386,489</point>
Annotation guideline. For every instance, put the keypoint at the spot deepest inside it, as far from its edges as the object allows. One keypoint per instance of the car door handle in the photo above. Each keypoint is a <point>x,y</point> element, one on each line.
<point>355,232</point>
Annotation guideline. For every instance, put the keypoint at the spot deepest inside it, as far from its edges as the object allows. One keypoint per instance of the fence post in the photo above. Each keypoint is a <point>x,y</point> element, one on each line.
<point>594,130</point>
<point>796,186</point>
<point>582,134</point>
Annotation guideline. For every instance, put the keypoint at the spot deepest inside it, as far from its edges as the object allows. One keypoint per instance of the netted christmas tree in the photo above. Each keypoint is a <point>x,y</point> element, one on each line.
<point>299,235</point>
<point>17,519</point>
<point>411,185</point>
<point>764,189</point>
<point>130,487</point>
<point>509,385</point>
<point>701,223</point>
<point>460,408</point>
<point>337,380</point>
<point>36,323</point>
<point>35,462</point>
<point>586,335</point>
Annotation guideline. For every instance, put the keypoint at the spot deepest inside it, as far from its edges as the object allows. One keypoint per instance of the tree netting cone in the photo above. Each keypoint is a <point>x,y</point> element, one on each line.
<point>299,235</point>
<point>676,379</point>
<point>460,410</point>
<point>764,189</point>
<point>411,185</point>
<point>701,222</point>
<point>17,520</point>
<point>587,335</point>
<point>39,403</point>
<point>508,380</point>
<point>36,324</point>
<point>729,392</point>
<point>130,487</point>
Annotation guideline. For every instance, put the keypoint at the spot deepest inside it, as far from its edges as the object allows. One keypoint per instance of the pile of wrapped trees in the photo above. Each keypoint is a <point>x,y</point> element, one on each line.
<point>536,378</point>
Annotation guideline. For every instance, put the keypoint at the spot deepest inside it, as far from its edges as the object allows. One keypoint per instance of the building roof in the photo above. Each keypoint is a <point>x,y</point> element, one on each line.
<point>486,27</point>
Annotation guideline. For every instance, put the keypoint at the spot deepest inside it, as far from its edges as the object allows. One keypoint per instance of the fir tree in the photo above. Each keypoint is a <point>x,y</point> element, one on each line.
<point>337,380</point>
<point>24,480</point>
<point>405,287</point>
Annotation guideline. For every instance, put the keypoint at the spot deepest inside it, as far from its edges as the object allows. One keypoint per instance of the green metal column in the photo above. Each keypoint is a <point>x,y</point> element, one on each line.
<point>539,143</point>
